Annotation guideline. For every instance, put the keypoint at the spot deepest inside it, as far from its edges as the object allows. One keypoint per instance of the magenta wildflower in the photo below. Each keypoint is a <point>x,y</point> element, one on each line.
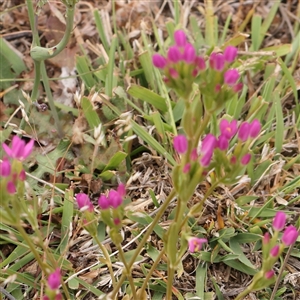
<point>180,143</point>
<point>114,198</point>
<point>186,168</point>
<point>208,145</point>
<point>174,54</point>
<point>180,38</point>
<point>121,189</point>
<point>275,251</point>
<point>290,235</point>
<point>228,129</point>
<point>200,63</point>
<point>195,244</point>
<point>269,274</point>
<point>103,202</point>
<point>237,87</point>
<point>5,168</point>
<point>11,188</point>
<point>231,77</point>
<point>245,159</point>
<point>22,175</point>
<point>159,61</point>
<point>223,143</point>
<point>243,133</point>
<point>83,200</point>
<point>189,54</point>
<point>230,54</point>
<point>279,221</point>
<point>217,61</point>
<point>255,127</point>
<point>19,149</point>
<point>54,280</point>
<point>266,238</point>
<point>173,73</point>
<point>194,154</point>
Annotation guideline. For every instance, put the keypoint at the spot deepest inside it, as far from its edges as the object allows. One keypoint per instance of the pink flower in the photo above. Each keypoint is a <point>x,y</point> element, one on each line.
<point>255,127</point>
<point>230,54</point>
<point>83,200</point>
<point>114,198</point>
<point>279,221</point>
<point>189,54</point>
<point>11,188</point>
<point>121,190</point>
<point>22,175</point>
<point>269,274</point>
<point>103,202</point>
<point>159,61</point>
<point>245,159</point>
<point>274,251</point>
<point>223,143</point>
<point>195,244</point>
<point>180,143</point>
<point>174,54</point>
<point>266,238</point>
<point>19,149</point>
<point>228,129</point>
<point>186,168</point>
<point>217,61</point>
<point>243,133</point>
<point>231,77</point>
<point>173,73</point>
<point>290,235</point>
<point>180,38</point>
<point>200,63</point>
<point>208,145</point>
<point>237,87</point>
<point>54,280</point>
<point>194,154</point>
<point>5,168</point>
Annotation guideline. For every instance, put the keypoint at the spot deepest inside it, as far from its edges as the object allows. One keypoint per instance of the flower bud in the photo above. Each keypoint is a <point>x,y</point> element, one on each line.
<point>243,133</point>
<point>159,61</point>
<point>54,280</point>
<point>290,235</point>
<point>255,127</point>
<point>231,77</point>
<point>245,159</point>
<point>5,168</point>
<point>180,38</point>
<point>174,54</point>
<point>189,54</point>
<point>230,54</point>
<point>279,221</point>
<point>274,251</point>
<point>180,143</point>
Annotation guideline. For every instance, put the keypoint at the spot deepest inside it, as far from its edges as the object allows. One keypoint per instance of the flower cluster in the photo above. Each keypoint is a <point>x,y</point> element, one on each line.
<point>111,208</point>
<point>11,169</point>
<point>272,249</point>
<point>182,66</point>
<point>52,291</point>
<point>246,132</point>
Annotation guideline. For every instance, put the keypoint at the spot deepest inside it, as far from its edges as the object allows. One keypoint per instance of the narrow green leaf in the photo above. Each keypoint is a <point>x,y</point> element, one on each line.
<point>67,217</point>
<point>84,71</point>
<point>89,113</point>
<point>150,97</point>
<point>112,78</point>
<point>279,132</point>
<point>146,137</point>
<point>101,30</point>
<point>115,161</point>
<point>201,273</point>
<point>256,32</point>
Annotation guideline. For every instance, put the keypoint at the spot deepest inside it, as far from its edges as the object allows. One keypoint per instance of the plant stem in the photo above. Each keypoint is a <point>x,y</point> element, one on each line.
<point>128,271</point>
<point>107,258</point>
<point>144,239</point>
<point>171,273</point>
<point>152,269</point>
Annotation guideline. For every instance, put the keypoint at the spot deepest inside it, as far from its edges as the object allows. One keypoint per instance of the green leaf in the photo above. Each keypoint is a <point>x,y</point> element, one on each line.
<point>66,220</point>
<point>145,136</point>
<point>89,113</point>
<point>115,161</point>
<point>279,132</point>
<point>150,97</point>
<point>83,69</point>
<point>201,273</point>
